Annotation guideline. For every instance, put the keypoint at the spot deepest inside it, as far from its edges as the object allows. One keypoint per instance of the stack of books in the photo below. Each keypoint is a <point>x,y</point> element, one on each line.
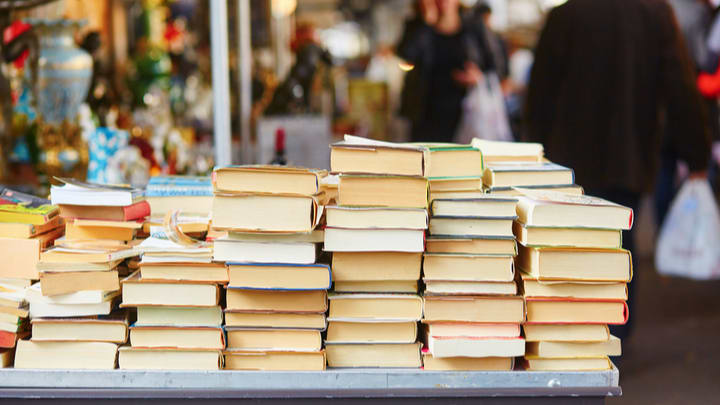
<point>74,321</point>
<point>516,164</point>
<point>454,171</point>
<point>277,294</point>
<point>574,278</point>
<point>376,235</point>
<point>27,226</point>
<point>176,294</point>
<point>472,310</point>
<point>191,195</point>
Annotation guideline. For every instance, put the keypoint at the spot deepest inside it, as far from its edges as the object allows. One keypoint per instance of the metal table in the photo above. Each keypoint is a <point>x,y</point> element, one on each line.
<point>352,385</point>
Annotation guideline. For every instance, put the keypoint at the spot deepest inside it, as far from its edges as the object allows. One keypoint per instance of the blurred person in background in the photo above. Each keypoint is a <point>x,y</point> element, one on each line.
<point>496,43</point>
<point>447,55</point>
<point>603,72</point>
<point>694,19</point>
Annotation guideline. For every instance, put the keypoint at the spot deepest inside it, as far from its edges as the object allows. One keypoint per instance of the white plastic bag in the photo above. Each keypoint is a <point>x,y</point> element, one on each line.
<point>689,242</point>
<point>484,114</point>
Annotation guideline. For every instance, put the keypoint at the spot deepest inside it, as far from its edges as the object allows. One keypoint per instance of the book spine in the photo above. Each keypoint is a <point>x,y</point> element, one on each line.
<point>7,339</point>
<point>136,211</point>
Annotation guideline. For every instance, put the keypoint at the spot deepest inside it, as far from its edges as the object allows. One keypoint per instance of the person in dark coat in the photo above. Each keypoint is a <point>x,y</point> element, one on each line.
<point>448,54</point>
<point>605,72</point>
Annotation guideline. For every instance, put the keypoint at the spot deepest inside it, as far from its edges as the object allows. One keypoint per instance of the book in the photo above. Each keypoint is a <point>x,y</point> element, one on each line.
<point>578,264</point>
<point>69,282</point>
<point>464,267</point>
<point>463,346</point>
<point>376,266</point>
<point>279,276</point>
<point>158,249</point>
<point>471,226</point>
<point>509,191</point>
<point>374,240</point>
<point>91,255</point>
<point>275,360</point>
<point>379,332</point>
<point>76,192</point>
<point>265,213</point>
<point>137,358</point>
<point>188,205</point>
<point>460,187</point>
<point>14,283</point>
<point>383,355</point>
<point>275,320</point>
<point>20,258</point>
<point>570,310</point>
<point>369,217</point>
<point>80,330</point>
<point>471,245</point>
<point>451,160</point>
<point>230,250</point>
<point>80,229</point>
<point>590,290</point>
<point>555,209</point>
<point>21,213</point>
<point>383,191</point>
<point>377,286</point>
<point>266,179</point>
<point>375,307</point>
<point>501,309</point>
<point>179,316</point>
<point>39,309</point>
<point>7,356</point>
<point>361,155</point>
<point>489,206</point>
<point>274,339</point>
<point>179,186</point>
<point>574,364</point>
<point>131,212</point>
<point>315,236</point>
<point>527,174</point>
<point>65,355</point>
<point>566,332</point>
<point>203,272</point>
<point>538,236</point>
<point>49,238</point>
<point>139,292</point>
<point>478,330</point>
<point>9,339</point>
<point>431,363</point>
<point>442,287</point>
<point>13,327</point>
<point>610,347</point>
<point>77,266</point>
<point>312,301</point>
<point>500,151</point>
<point>186,337</point>
<point>12,318</point>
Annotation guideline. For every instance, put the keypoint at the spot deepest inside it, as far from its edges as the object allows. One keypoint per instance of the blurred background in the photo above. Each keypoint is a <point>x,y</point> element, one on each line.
<point>117,91</point>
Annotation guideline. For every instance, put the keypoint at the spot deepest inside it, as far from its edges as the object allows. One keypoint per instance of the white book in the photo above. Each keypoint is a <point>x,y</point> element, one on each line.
<point>228,250</point>
<point>72,194</point>
<point>374,240</point>
<point>34,294</point>
<point>46,310</point>
<point>475,347</point>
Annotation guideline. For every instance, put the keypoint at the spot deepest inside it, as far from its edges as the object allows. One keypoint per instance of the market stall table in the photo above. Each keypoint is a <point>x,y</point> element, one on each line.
<point>352,385</point>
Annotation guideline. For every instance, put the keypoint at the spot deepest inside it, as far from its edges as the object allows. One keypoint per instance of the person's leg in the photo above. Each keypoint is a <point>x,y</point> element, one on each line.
<point>665,185</point>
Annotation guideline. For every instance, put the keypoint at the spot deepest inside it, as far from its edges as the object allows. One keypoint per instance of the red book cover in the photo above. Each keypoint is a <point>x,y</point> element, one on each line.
<point>136,211</point>
<point>7,339</point>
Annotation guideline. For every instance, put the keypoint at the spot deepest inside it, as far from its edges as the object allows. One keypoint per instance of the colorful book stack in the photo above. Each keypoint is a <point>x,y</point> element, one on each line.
<point>27,226</point>
<point>79,277</point>
<point>191,195</point>
<point>472,311</point>
<point>176,294</point>
<point>277,294</point>
<point>574,278</point>
<point>515,164</point>
<point>376,234</point>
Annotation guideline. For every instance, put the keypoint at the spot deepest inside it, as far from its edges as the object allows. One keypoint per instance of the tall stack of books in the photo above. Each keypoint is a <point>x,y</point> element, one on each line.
<point>27,226</point>
<point>79,277</point>
<point>191,195</point>
<point>277,294</point>
<point>472,311</point>
<point>574,275</point>
<point>517,164</point>
<point>176,294</point>
<point>376,234</point>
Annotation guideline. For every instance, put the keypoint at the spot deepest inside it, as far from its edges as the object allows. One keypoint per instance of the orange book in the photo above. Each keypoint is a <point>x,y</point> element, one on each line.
<point>568,310</point>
